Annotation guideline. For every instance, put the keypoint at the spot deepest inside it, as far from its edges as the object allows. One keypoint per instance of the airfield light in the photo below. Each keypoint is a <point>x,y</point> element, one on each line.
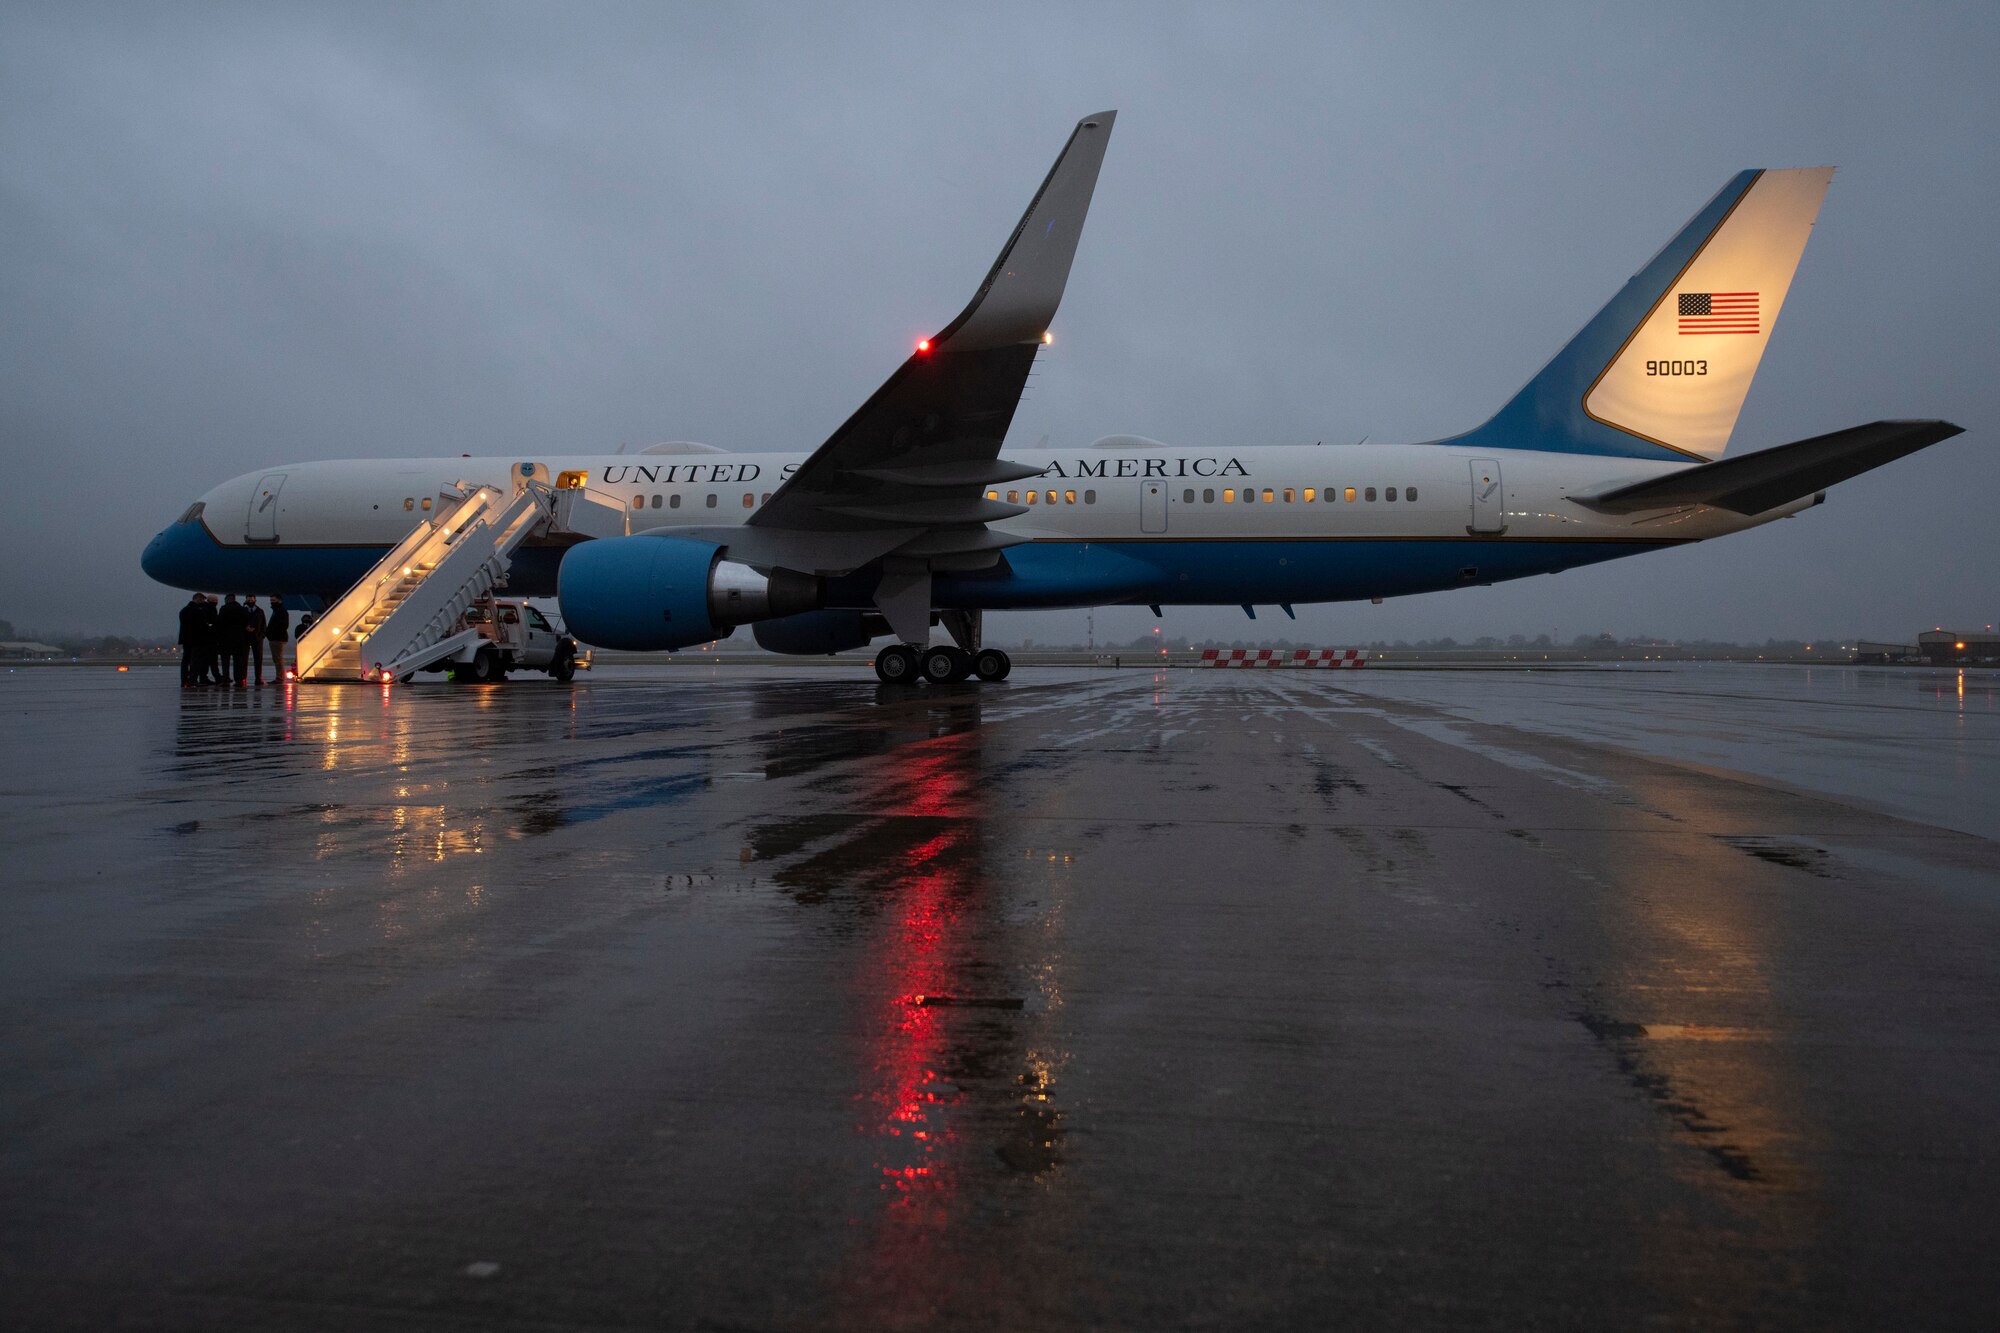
<point>1960,645</point>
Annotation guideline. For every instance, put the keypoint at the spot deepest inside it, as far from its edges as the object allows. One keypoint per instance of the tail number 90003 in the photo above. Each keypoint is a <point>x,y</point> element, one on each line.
<point>1677,367</point>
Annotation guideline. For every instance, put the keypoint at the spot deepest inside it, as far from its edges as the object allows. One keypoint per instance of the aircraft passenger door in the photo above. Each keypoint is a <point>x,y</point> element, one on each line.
<point>1153,506</point>
<point>1489,497</point>
<point>261,524</point>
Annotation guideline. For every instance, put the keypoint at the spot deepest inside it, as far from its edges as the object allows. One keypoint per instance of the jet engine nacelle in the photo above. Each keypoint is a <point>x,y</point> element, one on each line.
<point>820,632</point>
<point>646,594</point>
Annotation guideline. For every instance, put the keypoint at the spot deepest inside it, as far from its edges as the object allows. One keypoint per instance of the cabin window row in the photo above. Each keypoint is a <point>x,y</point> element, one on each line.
<point>1306,495</point>
<point>750,500</point>
<point>1045,497</point>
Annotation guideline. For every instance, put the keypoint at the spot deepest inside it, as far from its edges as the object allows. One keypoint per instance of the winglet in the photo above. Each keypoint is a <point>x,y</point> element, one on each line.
<point>1019,297</point>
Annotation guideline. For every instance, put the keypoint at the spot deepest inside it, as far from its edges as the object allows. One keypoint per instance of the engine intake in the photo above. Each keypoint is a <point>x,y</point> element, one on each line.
<point>646,594</point>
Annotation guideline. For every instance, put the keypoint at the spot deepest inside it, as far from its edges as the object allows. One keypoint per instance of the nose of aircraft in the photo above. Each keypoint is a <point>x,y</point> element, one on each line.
<point>172,556</point>
<point>152,559</point>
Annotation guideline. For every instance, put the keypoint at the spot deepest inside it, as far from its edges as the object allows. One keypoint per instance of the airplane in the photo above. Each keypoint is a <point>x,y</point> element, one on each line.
<point>907,517</point>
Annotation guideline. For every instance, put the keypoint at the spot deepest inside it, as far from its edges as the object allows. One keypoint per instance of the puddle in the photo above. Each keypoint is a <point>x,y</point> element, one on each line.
<point>1815,861</point>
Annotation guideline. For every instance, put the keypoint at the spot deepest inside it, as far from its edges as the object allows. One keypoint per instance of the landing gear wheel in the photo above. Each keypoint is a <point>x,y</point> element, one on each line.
<point>564,668</point>
<point>946,665</point>
<point>991,664</point>
<point>485,668</point>
<point>896,665</point>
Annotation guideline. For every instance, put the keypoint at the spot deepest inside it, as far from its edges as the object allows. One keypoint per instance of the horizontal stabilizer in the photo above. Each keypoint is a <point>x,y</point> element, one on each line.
<point>1764,480</point>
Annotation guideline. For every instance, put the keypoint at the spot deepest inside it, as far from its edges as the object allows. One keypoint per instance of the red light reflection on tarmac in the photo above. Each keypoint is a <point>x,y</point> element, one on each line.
<point>931,891</point>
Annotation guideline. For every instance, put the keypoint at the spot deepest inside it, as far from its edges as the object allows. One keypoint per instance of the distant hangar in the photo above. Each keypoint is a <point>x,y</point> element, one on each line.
<point>1936,647</point>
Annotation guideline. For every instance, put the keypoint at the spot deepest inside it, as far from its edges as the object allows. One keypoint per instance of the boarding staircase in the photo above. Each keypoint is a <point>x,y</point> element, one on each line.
<point>404,614</point>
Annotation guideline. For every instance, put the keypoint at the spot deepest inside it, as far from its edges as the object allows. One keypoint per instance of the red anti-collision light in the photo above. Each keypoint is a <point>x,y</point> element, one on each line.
<point>923,345</point>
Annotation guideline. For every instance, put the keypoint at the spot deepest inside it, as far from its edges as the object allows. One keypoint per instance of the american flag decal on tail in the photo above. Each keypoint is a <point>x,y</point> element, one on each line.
<point>1720,312</point>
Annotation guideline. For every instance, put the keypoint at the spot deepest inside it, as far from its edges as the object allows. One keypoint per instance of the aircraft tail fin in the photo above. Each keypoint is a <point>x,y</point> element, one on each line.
<point>1662,371</point>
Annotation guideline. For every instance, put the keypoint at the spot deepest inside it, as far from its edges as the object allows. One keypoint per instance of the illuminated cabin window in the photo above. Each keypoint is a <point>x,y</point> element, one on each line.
<point>1187,497</point>
<point>992,495</point>
<point>1052,497</point>
<point>1229,495</point>
<point>749,500</point>
<point>1013,497</point>
<point>1208,497</point>
<point>674,501</point>
<point>638,500</point>
<point>427,504</point>
<point>1034,496</point>
<point>1410,493</point>
<point>1349,493</point>
<point>1090,497</point>
<point>1267,495</point>
<point>409,503</point>
<point>764,499</point>
<point>1369,494</point>
<point>1069,497</point>
<point>1309,495</point>
<point>1389,494</point>
<point>711,499</point>
<point>1288,495</point>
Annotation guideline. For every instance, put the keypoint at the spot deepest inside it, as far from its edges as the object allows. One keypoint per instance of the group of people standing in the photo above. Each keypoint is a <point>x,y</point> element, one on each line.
<point>220,640</point>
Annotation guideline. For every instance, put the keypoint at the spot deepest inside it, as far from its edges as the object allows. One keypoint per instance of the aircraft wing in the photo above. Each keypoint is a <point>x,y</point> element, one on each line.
<point>907,473</point>
<point>1753,483</point>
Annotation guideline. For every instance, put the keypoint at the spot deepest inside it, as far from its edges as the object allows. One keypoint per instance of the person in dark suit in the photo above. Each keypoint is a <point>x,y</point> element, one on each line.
<point>207,670</point>
<point>192,646</point>
<point>277,629</point>
<point>253,633</point>
<point>232,632</point>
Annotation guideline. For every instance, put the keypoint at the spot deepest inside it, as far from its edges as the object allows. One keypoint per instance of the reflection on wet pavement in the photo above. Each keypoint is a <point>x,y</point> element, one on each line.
<point>770,998</point>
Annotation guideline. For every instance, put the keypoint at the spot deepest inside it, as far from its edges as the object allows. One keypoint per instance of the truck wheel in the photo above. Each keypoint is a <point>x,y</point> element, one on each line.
<point>485,668</point>
<point>563,668</point>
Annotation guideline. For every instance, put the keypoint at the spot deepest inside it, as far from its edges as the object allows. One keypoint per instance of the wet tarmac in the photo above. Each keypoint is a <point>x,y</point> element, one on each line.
<point>772,999</point>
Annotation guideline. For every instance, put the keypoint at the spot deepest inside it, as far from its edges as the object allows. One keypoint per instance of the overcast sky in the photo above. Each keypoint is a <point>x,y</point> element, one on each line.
<point>244,235</point>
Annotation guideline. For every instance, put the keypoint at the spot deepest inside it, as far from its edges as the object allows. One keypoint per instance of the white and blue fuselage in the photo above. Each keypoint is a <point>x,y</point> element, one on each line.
<point>1105,526</point>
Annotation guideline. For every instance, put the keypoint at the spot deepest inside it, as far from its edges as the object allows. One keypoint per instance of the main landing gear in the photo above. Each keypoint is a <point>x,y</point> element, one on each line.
<point>900,664</point>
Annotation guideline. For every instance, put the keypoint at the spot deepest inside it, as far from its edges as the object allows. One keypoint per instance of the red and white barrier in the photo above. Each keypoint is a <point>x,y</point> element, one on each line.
<point>1321,658</point>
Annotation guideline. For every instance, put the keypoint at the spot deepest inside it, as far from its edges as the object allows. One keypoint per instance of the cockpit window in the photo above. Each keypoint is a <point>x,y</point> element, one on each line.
<point>193,514</point>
